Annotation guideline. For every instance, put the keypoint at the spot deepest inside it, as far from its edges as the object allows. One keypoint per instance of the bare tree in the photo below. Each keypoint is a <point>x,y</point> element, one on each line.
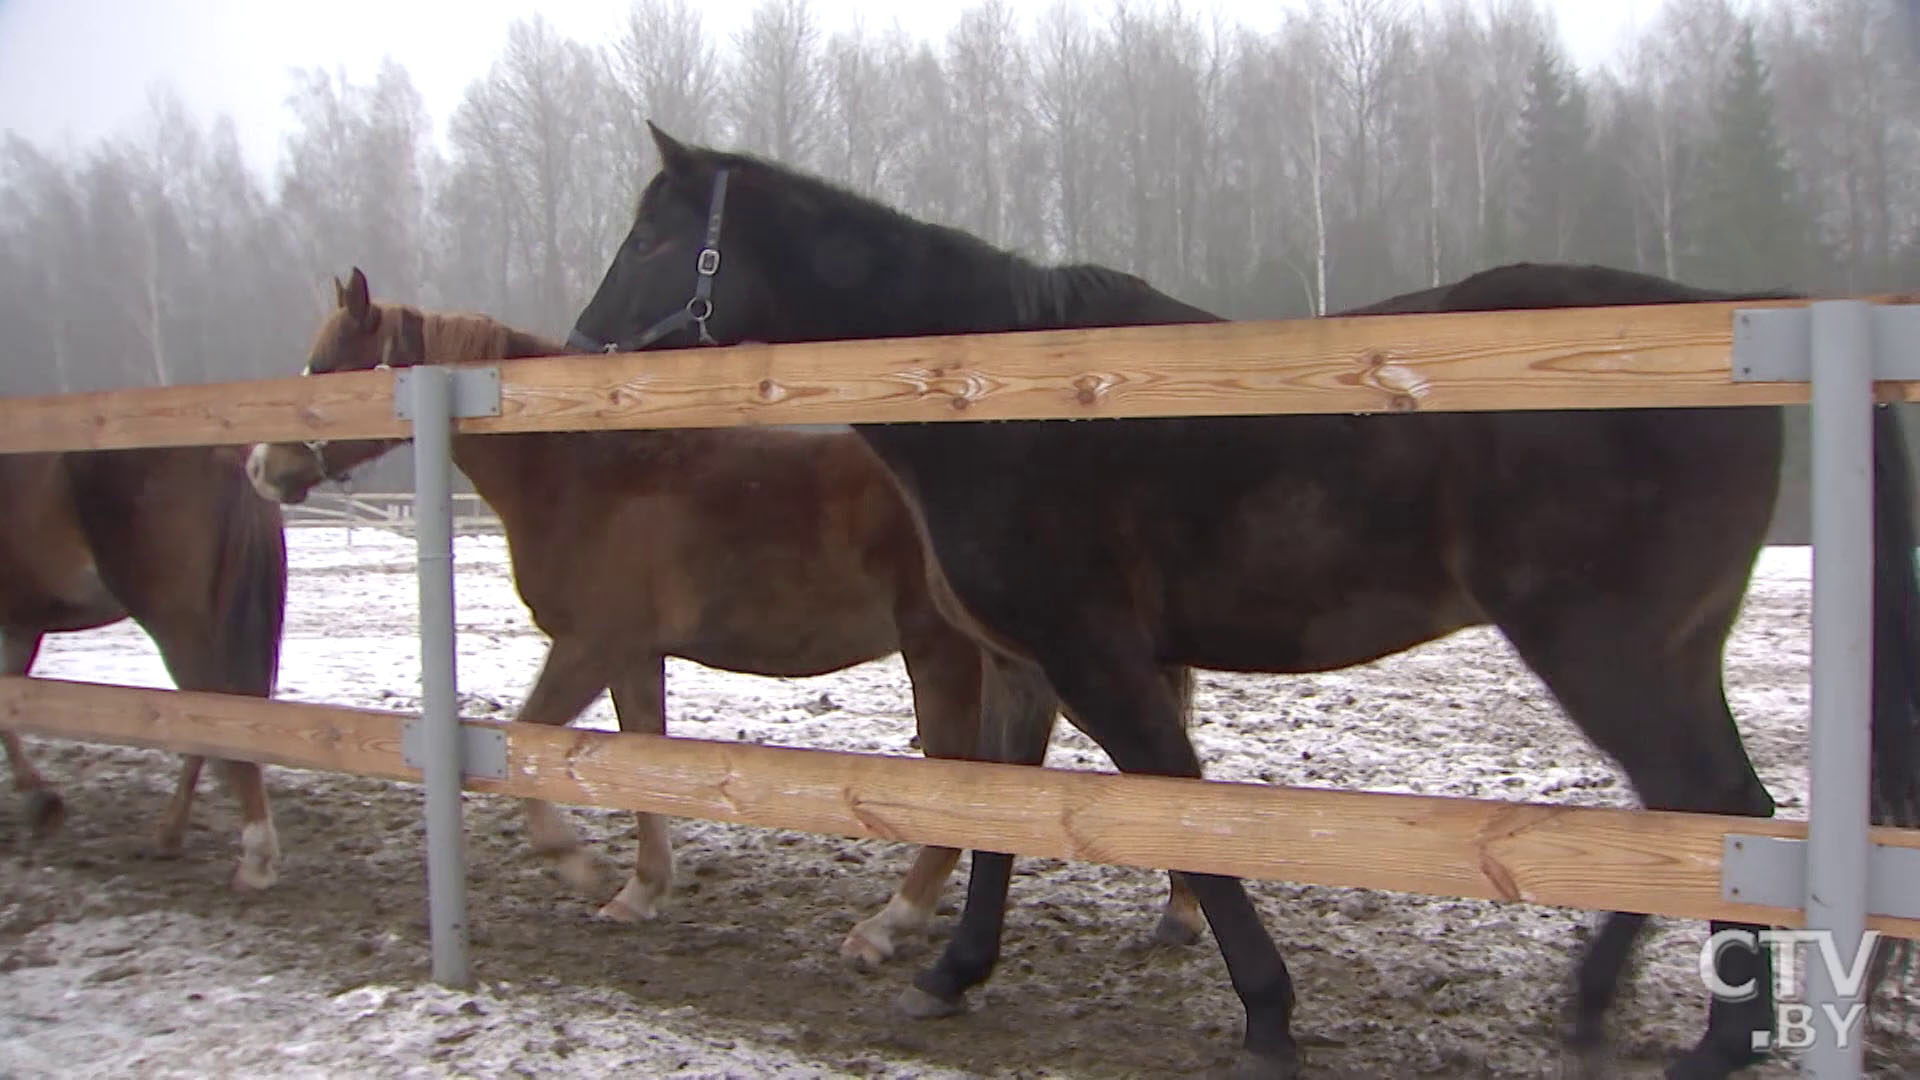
<point>867,120</point>
<point>778,83</point>
<point>664,69</point>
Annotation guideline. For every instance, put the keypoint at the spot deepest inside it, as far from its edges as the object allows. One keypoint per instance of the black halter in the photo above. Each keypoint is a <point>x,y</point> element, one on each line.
<point>698,310</point>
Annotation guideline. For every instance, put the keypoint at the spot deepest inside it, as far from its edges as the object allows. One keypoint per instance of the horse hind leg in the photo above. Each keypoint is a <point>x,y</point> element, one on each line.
<point>259,840</point>
<point>46,811</point>
<point>944,671</point>
<point>1663,716</point>
<point>1182,922</point>
<point>639,700</point>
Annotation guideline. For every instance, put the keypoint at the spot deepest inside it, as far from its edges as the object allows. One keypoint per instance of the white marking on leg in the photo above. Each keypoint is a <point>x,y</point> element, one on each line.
<point>647,886</point>
<point>871,940</point>
<point>552,838</point>
<point>637,900</point>
<point>259,851</point>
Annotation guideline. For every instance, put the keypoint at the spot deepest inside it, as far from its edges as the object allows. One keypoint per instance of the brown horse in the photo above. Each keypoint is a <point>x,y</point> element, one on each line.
<point>751,550</point>
<point>174,538</point>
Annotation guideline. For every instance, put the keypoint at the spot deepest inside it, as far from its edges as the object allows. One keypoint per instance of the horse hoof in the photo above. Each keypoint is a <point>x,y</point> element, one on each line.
<point>250,879</point>
<point>253,876</point>
<point>1247,1065</point>
<point>863,953</point>
<point>577,869</point>
<point>46,812</point>
<point>921,1005</point>
<point>1173,932</point>
<point>1588,1061</point>
<point>616,910</point>
<point>1710,1061</point>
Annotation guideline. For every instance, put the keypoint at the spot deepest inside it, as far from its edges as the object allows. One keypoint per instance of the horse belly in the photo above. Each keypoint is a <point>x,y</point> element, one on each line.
<point>790,629</point>
<point>790,648</point>
<point>1313,628</point>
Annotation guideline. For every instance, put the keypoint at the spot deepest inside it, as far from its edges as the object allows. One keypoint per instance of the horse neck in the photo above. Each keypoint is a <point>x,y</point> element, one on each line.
<point>495,463</point>
<point>1002,291</point>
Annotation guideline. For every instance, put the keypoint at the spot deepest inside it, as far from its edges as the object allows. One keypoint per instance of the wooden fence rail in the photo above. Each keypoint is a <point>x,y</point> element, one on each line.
<point>1669,355</point>
<point>1662,863</point>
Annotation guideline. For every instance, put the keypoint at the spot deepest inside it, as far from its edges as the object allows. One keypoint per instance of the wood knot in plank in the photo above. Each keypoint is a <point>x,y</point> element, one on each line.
<point>1403,385</point>
<point>1089,389</point>
<point>1504,825</point>
<point>875,825</point>
<point>771,391</point>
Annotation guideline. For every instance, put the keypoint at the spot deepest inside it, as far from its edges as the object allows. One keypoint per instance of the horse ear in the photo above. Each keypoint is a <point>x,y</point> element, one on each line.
<point>678,160</point>
<point>339,292</point>
<point>354,297</point>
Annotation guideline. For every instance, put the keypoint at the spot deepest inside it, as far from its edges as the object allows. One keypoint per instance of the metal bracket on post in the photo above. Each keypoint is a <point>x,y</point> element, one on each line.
<point>1842,347</point>
<point>1776,344</point>
<point>1772,871</point>
<point>476,390</point>
<point>483,748</point>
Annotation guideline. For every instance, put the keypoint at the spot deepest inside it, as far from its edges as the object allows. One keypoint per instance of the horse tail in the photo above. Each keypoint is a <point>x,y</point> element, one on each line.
<point>250,583</point>
<point>1896,630</point>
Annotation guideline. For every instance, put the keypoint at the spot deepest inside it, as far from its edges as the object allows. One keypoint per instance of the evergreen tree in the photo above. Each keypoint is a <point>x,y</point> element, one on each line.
<point>1556,167</point>
<point>1754,230</point>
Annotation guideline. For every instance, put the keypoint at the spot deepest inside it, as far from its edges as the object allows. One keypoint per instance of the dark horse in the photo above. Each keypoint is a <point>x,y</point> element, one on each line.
<point>1611,547</point>
<point>175,538</point>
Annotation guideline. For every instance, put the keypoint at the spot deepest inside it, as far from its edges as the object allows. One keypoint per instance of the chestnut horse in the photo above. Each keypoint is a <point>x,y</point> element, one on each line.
<point>174,538</point>
<point>750,550</point>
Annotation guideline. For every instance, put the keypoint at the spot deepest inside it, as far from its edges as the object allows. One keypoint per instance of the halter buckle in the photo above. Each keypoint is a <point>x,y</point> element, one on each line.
<point>708,263</point>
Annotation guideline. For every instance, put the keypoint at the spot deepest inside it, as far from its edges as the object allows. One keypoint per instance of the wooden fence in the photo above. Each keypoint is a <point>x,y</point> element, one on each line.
<point>1661,356</point>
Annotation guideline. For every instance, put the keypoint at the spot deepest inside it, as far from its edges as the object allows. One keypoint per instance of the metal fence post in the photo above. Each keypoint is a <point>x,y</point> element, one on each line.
<point>1838,766</point>
<point>432,405</point>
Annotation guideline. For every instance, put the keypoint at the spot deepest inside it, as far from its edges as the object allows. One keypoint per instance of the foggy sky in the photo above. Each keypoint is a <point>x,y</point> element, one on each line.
<point>74,71</point>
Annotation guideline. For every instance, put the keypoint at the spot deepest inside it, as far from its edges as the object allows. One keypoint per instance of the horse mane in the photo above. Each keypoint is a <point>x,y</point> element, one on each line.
<point>1006,290</point>
<point>455,337</point>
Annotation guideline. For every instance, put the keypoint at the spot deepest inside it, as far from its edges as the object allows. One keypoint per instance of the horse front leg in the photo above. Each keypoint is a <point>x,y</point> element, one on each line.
<point>46,811</point>
<point>570,678</point>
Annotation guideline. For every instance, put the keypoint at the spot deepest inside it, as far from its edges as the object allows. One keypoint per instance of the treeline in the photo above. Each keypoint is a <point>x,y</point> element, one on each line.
<point>1364,147</point>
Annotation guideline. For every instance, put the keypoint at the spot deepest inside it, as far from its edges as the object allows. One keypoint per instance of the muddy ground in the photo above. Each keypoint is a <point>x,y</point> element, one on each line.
<point>115,963</point>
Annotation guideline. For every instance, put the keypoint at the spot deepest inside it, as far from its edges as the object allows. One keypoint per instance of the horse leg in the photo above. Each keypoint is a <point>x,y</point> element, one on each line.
<point>1112,689</point>
<point>191,661</point>
<point>1181,922</point>
<point>46,812</point>
<point>259,841</point>
<point>171,840</point>
<point>640,701</point>
<point>1011,692</point>
<point>1662,715</point>
<point>944,670</point>
<point>946,679</point>
<point>570,678</point>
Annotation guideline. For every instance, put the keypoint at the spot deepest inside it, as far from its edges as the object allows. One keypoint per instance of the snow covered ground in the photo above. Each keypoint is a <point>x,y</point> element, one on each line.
<point>113,963</point>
